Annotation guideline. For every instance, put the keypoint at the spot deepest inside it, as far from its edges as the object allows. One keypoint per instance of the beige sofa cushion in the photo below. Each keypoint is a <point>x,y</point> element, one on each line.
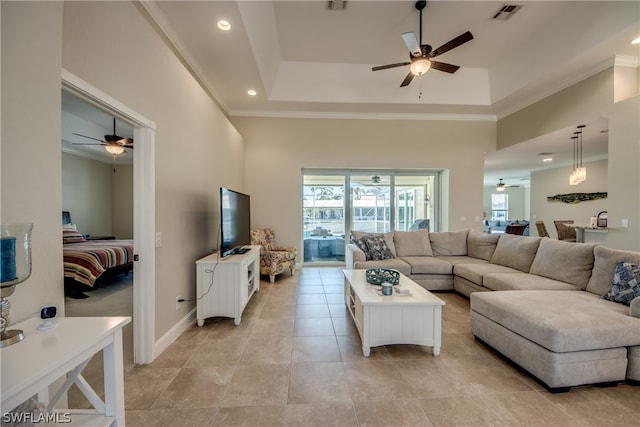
<point>604,266</point>
<point>481,245</point>
<point>412,243</point>
<point>457,259</point>
<point>516,251</point>
<point>634,307</point>
<point>564,261</point>
<point>524,281</point>
<point>449,242</point>
<point>560,321</point>
<point>394,263</point>
<point>428,265</point>
<point>388,238</point>
<point>474,272</point>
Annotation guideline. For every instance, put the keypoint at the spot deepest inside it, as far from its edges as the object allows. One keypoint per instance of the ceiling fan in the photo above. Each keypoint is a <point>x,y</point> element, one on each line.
<point>421,55</point>
<point>113,144</point>
<point>501,186</point>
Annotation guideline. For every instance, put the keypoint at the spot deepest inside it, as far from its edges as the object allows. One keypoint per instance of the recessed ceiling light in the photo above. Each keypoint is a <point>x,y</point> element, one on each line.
<point>224,25</point>
<point>636,41</point>
<point>252,92</point>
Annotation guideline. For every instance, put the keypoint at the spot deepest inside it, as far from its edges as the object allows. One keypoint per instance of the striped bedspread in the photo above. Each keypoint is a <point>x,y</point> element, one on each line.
<point>86,261</point>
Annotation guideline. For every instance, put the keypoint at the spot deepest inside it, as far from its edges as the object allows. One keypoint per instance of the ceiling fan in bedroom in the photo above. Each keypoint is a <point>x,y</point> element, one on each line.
<point>421,55</point>
<point>113,144</point>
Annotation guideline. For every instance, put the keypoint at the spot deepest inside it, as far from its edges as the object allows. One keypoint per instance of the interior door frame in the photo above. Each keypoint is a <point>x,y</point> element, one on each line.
<point>143,211</point>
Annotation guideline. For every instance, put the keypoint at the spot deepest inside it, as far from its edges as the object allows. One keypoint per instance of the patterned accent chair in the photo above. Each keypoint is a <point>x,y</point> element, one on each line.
<point>273,259</point>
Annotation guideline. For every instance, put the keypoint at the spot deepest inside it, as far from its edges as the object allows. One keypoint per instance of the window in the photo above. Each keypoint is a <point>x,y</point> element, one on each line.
<point>499,207</point>
<point>338,201</point>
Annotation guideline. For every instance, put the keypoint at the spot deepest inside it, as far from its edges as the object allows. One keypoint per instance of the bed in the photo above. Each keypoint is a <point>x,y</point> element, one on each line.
<point>90,263</point>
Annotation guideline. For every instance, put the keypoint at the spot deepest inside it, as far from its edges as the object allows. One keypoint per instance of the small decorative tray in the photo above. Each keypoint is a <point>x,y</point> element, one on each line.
<point>376,276</point>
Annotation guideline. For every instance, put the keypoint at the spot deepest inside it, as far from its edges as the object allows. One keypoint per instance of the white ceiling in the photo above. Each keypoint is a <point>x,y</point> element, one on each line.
<point>305,60</point>
<point>81,117</point>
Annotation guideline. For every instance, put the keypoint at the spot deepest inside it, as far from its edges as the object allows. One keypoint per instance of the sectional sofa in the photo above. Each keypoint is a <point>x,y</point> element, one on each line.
<point>556,312</point>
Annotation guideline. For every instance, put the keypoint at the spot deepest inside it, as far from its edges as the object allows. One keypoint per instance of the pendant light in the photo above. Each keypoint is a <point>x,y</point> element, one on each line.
<point>579,172</point>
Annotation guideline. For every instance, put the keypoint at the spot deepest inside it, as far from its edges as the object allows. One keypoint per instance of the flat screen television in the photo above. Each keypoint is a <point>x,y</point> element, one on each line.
<point>235,221</point>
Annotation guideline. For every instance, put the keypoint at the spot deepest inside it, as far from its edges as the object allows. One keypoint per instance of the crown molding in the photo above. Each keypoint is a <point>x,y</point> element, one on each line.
<point>362,116</point>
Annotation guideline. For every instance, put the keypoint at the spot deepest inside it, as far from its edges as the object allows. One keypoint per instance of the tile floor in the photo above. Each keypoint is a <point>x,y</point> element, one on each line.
<point>296,360</point>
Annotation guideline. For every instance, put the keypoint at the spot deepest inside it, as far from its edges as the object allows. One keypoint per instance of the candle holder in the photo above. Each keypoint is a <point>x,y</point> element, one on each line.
<point>15,268</point>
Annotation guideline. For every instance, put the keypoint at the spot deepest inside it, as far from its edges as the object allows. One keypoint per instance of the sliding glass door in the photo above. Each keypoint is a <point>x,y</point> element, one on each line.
<point>370,202</point>
<point>323,216</point>
<point>338,201</point>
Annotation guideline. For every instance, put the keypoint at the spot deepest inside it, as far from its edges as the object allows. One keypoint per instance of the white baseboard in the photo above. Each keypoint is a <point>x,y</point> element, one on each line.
<point>172,334</point>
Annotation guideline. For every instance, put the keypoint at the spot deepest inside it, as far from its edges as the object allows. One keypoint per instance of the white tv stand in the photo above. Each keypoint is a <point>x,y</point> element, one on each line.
<point>226,288</point>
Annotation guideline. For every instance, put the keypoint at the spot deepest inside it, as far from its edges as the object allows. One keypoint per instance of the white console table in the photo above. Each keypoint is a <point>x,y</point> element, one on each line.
<point>44,356</point>
<point>225,285</point>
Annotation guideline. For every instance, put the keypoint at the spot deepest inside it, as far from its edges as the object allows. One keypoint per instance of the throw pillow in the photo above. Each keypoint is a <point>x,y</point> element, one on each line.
<point>362,244</point>
<point>626,283</point>
<point>378,248</point>
<point>388,237</point>
<point>72,236</point>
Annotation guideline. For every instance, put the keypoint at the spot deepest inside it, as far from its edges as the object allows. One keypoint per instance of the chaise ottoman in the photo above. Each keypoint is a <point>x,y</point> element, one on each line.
<point>564,338</point>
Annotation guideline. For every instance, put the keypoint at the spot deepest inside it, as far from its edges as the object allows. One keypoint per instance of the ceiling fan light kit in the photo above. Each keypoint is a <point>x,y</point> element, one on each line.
<point>114,149</point>
<point>500,187</point>
<point>113,144</point>
<point>420,55</point>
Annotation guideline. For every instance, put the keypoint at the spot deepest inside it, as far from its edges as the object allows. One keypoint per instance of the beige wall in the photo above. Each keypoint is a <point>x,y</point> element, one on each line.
<point>122,201</point>
<point>556,181</point>
<point>518,201</point>
<point>86,194</point>
<point>30,179</point>
<point>277,149</point>
<point>197,148</point>
<point>99,196</point>
<point>584,100</point>
<point>589,99</point>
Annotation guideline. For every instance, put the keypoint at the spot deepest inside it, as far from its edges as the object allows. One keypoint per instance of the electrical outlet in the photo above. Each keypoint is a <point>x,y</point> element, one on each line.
<point>178,298</point>
<point>624,222</point>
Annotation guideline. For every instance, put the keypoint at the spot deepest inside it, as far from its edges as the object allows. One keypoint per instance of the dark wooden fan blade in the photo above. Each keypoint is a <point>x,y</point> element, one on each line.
<point>461,39</point>
<point>85,136</point>
<point>442,66</point>
<point>384,67</point>
<point>407,79</point>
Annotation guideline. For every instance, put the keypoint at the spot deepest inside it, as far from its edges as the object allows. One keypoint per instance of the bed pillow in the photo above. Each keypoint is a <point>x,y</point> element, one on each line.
<point>72,236</point>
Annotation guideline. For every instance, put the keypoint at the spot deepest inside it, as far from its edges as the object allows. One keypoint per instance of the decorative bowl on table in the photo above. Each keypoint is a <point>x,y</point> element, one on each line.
<point>377,276</point>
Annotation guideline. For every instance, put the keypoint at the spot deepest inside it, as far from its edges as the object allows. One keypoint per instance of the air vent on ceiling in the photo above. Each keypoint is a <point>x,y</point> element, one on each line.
<point>506,12</point>
<point>336,4</point>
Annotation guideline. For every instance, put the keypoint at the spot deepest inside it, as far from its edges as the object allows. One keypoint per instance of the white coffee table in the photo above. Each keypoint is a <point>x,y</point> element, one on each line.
<point>395,319</point>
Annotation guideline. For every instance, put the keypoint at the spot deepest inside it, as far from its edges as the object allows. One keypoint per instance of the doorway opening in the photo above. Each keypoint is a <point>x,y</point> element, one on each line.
<point>143,209</point>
